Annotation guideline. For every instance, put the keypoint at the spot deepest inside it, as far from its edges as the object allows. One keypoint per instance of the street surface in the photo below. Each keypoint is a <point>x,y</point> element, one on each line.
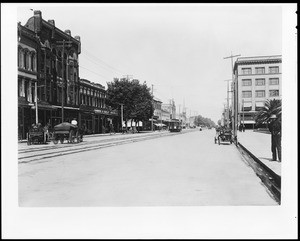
<point>177,170</point>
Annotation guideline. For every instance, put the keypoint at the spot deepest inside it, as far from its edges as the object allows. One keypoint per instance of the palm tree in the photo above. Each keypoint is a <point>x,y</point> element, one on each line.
<point>271,107</point>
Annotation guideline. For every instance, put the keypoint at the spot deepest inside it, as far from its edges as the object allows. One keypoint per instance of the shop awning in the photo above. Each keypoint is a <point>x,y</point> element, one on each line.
<point>259,104</point>
<point>247,104</point>
<point>159,124</point>
<point>248,122</point>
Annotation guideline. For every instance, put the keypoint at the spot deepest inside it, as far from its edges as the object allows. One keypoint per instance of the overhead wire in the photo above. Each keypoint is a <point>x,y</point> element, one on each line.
<point>102,61</point>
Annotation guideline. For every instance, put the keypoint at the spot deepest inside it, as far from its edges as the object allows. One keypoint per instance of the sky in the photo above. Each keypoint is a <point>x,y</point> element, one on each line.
<point>177,48</point>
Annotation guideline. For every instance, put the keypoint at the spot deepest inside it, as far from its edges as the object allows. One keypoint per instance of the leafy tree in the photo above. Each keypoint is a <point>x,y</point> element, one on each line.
<point>135,97</point>
<point>200,120</point>
<point>271,107</point>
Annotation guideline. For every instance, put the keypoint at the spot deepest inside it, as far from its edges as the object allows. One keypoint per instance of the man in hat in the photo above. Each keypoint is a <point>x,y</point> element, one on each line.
<point>275,129</point>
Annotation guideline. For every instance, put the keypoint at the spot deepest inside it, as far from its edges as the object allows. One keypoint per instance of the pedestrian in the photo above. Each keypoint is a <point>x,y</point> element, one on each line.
<point>243,128</point>
<point>275,129</point>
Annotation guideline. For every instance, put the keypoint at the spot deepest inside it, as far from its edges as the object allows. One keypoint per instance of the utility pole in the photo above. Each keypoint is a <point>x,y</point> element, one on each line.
<point>235,99</point>
<point>36,104</point>
<point>122,116</point>
<point>227,112</point>
<point>153,108</point>
<point>64,44</point>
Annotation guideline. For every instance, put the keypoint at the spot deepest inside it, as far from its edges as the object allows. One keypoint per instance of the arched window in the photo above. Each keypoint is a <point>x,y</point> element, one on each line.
<point>24,59</point>
<point>20,57</point>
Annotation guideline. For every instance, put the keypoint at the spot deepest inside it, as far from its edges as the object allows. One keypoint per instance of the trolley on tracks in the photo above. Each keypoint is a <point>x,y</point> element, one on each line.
<point>67,131</point>
<point>175,126</point>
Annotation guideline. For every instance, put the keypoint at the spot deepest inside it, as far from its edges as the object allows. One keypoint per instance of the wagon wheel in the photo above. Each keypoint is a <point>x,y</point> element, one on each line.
<point>55,141</point>
<point>215,140</point>
<point>28,142</point>
<point>61,140</point>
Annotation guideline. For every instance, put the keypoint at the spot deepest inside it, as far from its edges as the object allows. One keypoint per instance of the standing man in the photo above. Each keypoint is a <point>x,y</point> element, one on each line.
<point>275,129</point>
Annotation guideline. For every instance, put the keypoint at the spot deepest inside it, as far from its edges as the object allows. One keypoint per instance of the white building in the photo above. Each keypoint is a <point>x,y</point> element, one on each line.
<point>256,79</point>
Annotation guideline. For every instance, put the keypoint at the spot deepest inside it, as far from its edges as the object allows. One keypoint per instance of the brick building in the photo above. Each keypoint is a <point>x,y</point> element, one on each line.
<point>49,87</point>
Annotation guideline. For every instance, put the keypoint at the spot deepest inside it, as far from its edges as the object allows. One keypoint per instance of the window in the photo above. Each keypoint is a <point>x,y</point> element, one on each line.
<point>24,60</point>
<point>274,81</point>
<point>260,93</point>
<point>274,70</point>
<point>247,82</point>
<point>20,58</point>
<point>247,94</point>
<point>246,106</point>
<point>274,93</point>
<point>259,82</point>
<point>259,70</point>
<point>246,71</point>
<point>259,106</point>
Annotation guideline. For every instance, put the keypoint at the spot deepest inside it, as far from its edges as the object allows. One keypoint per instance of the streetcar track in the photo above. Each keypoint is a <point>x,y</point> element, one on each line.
<point>67,145</point>
<point>95,146</point>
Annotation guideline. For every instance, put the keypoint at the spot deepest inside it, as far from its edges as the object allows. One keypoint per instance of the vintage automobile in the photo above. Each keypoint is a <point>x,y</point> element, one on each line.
<point>223,135</point>
<point>36,135</point>
<point>66,131</point>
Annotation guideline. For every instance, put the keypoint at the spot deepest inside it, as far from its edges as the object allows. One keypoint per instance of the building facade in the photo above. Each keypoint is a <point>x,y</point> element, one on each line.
<point>94,115</point>
<point>49,88</point>
<point>256,79</point>
<point>27,79</point>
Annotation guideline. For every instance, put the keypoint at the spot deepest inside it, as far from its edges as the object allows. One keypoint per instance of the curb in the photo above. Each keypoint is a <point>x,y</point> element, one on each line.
<point>275,176</point>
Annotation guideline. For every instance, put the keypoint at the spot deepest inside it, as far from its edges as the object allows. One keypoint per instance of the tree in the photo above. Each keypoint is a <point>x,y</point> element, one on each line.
<point>200,120</point>
<point>271,107</point>
<point>135,97</point>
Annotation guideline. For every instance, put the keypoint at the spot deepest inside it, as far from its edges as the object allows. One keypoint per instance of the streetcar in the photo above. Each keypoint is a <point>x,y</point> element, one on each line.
<point>175,126</point>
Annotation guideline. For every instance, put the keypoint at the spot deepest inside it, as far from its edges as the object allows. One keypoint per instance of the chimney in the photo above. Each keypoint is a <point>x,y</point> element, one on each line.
<point>77,38</point>
<point>37,21</point>
<point>38,13</point>
<point>67,31</point>
<point>51,21</point>
<point>79,46</point>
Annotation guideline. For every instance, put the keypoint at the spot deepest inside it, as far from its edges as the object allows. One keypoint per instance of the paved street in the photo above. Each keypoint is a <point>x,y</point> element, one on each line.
<point>180,170</point>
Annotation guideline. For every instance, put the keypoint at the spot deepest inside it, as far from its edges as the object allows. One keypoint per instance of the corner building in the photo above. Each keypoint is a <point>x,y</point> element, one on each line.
<point>256,79</point>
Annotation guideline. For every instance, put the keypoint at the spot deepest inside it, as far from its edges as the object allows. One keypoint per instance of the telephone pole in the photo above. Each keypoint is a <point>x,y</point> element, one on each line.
<point>235,97</point>
<point>227,112</point>
<point>64,44</point>
<point>153,108</point>
<point>122,116</point>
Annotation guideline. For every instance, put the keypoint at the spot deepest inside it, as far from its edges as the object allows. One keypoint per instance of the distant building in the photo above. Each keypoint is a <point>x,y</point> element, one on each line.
<point>256,80</point>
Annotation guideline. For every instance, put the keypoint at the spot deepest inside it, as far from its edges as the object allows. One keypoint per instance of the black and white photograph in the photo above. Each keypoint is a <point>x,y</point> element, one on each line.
<point>149,120</point>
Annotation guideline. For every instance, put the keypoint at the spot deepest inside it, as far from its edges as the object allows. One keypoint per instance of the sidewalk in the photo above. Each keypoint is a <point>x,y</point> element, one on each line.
<point>259,144</point>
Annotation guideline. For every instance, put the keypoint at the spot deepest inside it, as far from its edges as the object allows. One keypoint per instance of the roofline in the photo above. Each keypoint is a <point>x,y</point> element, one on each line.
<point>47,24</point>
<point>256,60</point>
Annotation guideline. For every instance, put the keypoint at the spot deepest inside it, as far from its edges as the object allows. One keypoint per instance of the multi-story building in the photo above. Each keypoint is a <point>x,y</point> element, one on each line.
<point>256,80</point>
<point>157,114</point>
<point>171,108</point>
<point>94,115</point>
<point>27,79</point>
<point>49,88</point>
